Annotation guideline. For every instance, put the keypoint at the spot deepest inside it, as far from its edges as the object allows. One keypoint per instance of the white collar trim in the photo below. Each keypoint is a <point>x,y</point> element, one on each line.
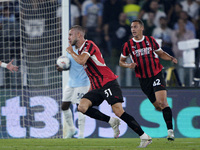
<point>138,40</point>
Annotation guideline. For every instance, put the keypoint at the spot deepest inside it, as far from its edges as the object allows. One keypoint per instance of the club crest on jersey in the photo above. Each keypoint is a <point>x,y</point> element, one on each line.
<point>147,43</point>
<point>84,49</point>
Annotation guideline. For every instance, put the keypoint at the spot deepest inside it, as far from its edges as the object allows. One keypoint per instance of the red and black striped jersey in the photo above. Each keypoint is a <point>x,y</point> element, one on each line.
<point>95,67</point>
<point>143,54</point>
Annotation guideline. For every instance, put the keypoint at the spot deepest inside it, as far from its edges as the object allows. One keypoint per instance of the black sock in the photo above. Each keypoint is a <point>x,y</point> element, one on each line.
<point>96,114</point>
<point>132,123</point>
<point>167,114</point>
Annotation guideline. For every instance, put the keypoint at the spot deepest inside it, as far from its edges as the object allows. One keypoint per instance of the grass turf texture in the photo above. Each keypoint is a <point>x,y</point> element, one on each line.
<point>98,144</point>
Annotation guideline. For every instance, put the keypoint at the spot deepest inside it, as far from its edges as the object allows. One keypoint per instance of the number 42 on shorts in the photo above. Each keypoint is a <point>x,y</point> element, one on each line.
<point>156,82</point>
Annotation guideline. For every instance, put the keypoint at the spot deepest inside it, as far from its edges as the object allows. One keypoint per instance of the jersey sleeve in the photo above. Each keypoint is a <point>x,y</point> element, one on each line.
<point>156,46</point>
<point>125,50</point>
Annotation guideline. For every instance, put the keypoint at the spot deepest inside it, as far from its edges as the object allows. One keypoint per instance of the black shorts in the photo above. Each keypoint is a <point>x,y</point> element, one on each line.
<point>151,85</point>
<point>110,92</point>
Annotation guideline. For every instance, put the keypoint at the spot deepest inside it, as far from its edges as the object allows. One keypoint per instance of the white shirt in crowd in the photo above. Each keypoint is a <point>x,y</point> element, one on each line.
<point>75,13</point>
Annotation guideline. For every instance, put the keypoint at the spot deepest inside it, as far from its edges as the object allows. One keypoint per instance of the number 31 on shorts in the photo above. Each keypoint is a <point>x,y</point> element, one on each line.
<point>108,92</point>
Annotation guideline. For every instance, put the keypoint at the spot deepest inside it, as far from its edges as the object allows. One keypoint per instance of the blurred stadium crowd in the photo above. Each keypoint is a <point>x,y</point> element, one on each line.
<point>107,23</point>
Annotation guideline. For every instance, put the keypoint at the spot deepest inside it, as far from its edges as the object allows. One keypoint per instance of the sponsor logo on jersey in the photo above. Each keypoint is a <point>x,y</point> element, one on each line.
<point>142,51</point>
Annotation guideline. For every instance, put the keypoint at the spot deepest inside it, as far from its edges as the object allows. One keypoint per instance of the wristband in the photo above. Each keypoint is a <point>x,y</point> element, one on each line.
<point>4,65</point>
<point>172,58</point>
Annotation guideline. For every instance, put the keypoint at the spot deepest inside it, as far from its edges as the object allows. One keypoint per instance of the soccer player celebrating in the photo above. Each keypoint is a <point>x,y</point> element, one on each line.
<point>104,85</point>
<point>9,66</point>
<point>141,50</point>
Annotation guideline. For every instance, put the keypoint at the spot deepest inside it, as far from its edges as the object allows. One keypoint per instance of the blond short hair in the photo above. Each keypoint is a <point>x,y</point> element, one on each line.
<point>79,28</point>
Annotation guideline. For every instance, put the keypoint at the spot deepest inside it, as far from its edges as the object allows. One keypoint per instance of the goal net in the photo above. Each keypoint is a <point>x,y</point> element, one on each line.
<point>30,33</point>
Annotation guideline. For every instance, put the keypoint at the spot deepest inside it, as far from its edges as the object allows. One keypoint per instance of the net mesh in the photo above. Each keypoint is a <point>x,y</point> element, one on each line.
<point>30,98</point>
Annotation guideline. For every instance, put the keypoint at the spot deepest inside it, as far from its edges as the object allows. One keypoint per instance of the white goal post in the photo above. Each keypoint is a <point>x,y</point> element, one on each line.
<point>65,29</point>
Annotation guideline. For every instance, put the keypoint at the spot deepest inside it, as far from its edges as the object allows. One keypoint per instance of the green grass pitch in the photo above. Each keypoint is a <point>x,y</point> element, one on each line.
<point>98,144</point>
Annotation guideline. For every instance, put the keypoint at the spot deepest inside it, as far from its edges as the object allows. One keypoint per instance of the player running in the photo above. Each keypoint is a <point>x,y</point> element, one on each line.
<point>147,67</point>
<point>104,85</point>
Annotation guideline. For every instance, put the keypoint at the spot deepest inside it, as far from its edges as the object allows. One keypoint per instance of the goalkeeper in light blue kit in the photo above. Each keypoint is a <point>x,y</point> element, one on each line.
<point>78,84</point>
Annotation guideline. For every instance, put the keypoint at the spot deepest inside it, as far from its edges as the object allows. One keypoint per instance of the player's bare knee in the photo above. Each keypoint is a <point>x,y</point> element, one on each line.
<point>81,108</point>
<point>163,104</point>
<point>118,111</point>
<point>84,105</point>
<point>118,114</point>
<point>65,106</point>
<point>158,108</point>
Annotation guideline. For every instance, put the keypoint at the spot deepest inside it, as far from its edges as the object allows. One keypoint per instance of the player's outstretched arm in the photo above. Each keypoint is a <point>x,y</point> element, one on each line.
<point>9,66</point>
